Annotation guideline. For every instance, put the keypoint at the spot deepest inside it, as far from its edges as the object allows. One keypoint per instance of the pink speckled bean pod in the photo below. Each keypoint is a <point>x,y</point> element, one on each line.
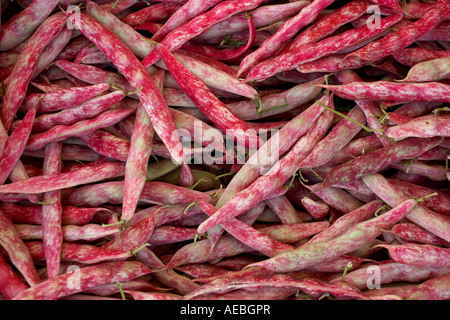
<point>18,253</point>
<point>164,215</point>
<point>412,10</point>
<point>86,174</point>
<point>248,235</point>
<point>312,51</point>
<point>336,198</point>
<point>86,110</point>
<point>312,287</point>
<point>78,253</point>
<point>113,288</point>
<point>211,76</point>
<point>274,178</point>
<point>439,33</point>
<point>10,282</point>
<point>52,50</point>
<point>148,295</point>
<point>33,214</point>
<point>8,58</point>
<point>124,32</point>
<point>291,233</point>
<point>107,144</point>
<point>332,63</point>
<point>262,16</point>
<point>89,277</point>
<point>177,98</point>
<point>286,31</point>
<point>418,254</point>
<point>288,99</point>
<point>355,237</point>
<point>395,292</point>
<point>154,12</point>
<point>94,75</point>
<point>227,54</point>
<point>431,70</point>
<point>433,172</point>
<point>405,36</point>
<point>23,24</point>
<point>170,234</point>
<point>339,136</point>
<point>133,237</point>
<point>69,152</point>
<point>376,160</point>
<point>437,153</point>
<point>422,127</point>
<point>176,38</point>
<point>153,192</point>
<point>62,99</point>
<point>284,209</point>
<point>339,264</point>
<point>182,15</point>
<point>137,161</point>
<point>432,289</point>
<point>180,284</point>
<point>393,4</point>
<point>14,146</point>
<point>207,102</point>
<point>18,80</point>
<point>392,272</point>
<point>355,148</point>
<point>439,202</point>
<point>430,220</point>
<point>71,50</point>
<point>200,251</point>
<point>411,56</point>
<point>411,232</point>
<point>52,234</point>
<point>284,138</point>
<point>370,108</point>
<point>392,91</point>
<point>317,209</point>
<point>219,65</point>
<point>130,67</point>
<point>78,129</point>
<point>71,233</point>
<point>328,24</point>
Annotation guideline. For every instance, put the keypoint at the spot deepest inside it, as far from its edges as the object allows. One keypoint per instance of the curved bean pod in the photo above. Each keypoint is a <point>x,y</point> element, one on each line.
<point>182,15</point>
<point>78,129</point>
<point>86,277</point>
<point>176,38</point>
<point>418,254</point>
<point>274,178</point>
<point>373,161</point>
<point>10,283</point>
<point>17,251</point>
<point>433,289</point>
<point>86,174</point>
<point>23,69</point>
<point>286,31</point>
<point>128,65</point>
<point>430,220</point>
<point>62,99</point>
<point>404,36</point>
<point>310,254</point>
<point>431,70</point>
<point>391,91</point>
<point>24,23</point>
<point>311,51</point>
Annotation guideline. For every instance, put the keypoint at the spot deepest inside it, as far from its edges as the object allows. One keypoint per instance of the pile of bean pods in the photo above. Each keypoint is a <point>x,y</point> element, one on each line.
<point>234,149</point>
